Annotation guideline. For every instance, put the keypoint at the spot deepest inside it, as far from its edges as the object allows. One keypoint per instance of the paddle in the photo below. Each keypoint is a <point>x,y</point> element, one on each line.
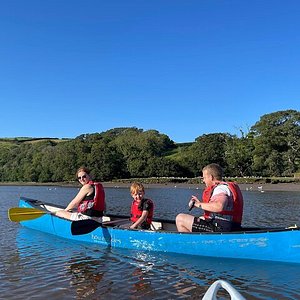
<point>87,226</point>
<point>84,226</point>
<point>18,214</point>
<point>192,206</point>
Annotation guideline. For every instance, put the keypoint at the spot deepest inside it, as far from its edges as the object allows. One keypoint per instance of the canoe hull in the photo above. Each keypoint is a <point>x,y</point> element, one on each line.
<point>273,245</point>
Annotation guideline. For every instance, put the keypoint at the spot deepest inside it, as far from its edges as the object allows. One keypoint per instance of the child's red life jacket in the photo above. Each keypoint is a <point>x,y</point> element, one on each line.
<point>136,213</point>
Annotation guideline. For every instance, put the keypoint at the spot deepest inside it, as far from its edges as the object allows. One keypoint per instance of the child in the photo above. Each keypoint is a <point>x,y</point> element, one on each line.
<point>141,208</point>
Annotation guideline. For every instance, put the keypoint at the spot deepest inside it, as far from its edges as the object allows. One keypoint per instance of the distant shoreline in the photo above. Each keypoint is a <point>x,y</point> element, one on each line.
<point>243,186</point>
<point>290,187</point>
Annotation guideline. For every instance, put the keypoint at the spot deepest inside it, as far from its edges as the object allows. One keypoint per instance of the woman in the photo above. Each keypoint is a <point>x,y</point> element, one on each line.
<point>89,202</point>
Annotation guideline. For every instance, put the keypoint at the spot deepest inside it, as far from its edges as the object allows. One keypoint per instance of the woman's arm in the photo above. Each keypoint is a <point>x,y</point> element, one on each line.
<point>87,189</point>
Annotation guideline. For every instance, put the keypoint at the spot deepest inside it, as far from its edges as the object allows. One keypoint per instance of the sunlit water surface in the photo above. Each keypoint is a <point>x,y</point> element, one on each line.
<point>35,265</point>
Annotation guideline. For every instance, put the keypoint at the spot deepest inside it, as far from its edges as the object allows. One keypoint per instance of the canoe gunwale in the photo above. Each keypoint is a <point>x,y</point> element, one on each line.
<point>245,230</point>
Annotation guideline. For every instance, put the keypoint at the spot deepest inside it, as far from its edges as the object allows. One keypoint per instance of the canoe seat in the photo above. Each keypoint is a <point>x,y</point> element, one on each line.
<point>105,218</point>
<point>156,226</point>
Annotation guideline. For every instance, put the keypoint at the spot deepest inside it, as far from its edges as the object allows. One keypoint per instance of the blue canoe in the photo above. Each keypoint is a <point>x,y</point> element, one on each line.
<point>272,244</point>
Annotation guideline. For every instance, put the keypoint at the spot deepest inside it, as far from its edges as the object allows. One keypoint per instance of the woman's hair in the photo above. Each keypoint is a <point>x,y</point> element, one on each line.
<point>136,187</point>
<point>83,169</point>
<point>215,170</point>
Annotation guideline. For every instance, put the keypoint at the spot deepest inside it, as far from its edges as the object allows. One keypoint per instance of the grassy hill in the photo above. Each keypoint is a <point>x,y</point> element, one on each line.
<point>176,153</point>
<point>19,140</point>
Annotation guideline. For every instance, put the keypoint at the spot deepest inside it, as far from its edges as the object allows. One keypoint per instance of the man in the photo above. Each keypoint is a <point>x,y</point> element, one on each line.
<point>222,203</point>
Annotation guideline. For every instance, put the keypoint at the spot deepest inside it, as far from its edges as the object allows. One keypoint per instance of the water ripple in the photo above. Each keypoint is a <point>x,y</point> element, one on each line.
<point>34,265</point>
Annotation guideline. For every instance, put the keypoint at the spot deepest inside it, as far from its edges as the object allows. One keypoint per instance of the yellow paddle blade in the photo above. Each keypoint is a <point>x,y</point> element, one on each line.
<point>18,214</point>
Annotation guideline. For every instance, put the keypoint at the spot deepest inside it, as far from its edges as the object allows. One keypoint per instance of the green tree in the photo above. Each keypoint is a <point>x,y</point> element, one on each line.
<point>105,162</point>
<point>138,147</point>
<point>277,143</point>
<point>208,148</point>
<point>238,155</point>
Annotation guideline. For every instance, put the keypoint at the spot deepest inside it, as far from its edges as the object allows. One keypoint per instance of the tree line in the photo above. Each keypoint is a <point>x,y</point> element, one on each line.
<point>270,148</point>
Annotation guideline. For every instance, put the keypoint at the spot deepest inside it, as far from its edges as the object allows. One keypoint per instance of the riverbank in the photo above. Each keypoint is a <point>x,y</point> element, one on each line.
<point>289,187</point>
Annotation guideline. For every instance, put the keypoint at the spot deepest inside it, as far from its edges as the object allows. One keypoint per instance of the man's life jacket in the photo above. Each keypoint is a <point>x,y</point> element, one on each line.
<point>234,210</point>
<point>93,207</point>
<point>137,210</point>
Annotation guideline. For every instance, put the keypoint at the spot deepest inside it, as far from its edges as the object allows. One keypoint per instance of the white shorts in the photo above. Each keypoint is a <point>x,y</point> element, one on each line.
<point>76,216</point>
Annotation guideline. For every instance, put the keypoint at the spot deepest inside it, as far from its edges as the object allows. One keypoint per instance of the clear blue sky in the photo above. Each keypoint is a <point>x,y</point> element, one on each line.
<point>182,67</point>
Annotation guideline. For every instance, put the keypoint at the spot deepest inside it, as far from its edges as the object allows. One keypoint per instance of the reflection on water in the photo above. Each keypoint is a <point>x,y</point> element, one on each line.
<point>35,265</point>
<point>85,275</point>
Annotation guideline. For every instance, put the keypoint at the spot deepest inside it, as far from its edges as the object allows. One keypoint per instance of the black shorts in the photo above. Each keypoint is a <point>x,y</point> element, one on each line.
<point>201,225</point>
<point>144,225</point>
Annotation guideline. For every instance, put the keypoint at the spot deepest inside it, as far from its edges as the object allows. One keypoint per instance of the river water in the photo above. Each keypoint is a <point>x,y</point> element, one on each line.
<point>35,265</point>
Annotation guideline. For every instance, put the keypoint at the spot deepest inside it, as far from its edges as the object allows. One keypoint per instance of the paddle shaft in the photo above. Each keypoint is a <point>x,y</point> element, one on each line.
<point>192,206</point>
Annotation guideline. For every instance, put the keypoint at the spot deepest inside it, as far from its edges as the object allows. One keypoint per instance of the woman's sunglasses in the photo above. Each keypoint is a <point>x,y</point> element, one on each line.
<point>81,177</point>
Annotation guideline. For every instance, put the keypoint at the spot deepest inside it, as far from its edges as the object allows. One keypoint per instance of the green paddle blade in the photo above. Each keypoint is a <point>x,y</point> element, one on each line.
<point>18,214</point>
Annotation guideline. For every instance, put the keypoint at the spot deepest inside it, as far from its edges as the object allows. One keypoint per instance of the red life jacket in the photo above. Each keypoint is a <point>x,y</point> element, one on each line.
<point>237,209</point>
<point>96,206</point>
<point>136,212</point>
